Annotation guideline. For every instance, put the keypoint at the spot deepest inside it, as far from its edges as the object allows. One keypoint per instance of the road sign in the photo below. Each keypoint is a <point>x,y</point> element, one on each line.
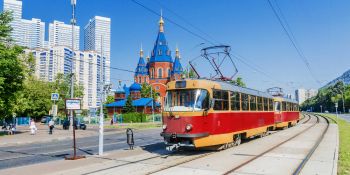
<point>336,105</point>
<point>73,104</point>
<point>55,96</point>
<point>78,111</point>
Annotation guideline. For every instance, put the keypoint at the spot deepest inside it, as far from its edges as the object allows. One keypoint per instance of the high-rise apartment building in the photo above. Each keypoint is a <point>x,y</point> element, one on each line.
<point>86,68</point>
<point>304,94</point>
<point>27,33</point>
<point>97,37</point>
<point>15,6</point>
<point>32,33</point>
<point>60,34</point>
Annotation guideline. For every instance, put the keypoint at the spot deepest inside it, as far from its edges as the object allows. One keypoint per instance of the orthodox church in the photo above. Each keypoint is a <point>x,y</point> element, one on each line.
<point>160,68</point>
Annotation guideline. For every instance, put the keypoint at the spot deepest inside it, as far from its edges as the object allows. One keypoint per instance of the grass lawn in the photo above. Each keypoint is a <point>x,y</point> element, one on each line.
<point>136,125</point>
<point>344,145</point>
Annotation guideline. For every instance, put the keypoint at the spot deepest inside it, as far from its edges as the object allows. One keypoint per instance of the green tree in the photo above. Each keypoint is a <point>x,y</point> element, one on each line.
<point>11,68</point>
<point>109,99</point>
<point>146,91</point>
<point>34,100</point>
<point>61,85</point>
<point>189,73</point>
<point>238,82</point>
<point>128,108</point>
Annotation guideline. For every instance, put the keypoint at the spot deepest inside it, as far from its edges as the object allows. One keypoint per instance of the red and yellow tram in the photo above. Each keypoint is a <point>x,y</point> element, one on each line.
<point>205,113</point>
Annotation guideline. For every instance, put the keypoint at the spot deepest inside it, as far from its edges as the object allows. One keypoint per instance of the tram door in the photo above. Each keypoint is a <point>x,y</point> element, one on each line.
<point>278,112</point>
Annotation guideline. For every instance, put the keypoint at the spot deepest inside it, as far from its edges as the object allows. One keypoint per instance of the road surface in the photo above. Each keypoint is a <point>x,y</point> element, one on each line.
<point>14,156</point>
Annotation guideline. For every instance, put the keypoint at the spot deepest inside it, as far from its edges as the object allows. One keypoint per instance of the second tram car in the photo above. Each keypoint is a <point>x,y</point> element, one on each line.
<point>202,113</point>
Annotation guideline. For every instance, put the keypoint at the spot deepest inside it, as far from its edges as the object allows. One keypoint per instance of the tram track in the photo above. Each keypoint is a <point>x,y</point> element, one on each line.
<point>201,156</point>
<point>308,156</point>
<point>245,163</point>
<point>309,117</point>
<point>184,155</point>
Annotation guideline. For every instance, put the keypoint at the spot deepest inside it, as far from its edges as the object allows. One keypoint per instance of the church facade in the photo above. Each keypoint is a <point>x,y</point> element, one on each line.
<point>159,68</point>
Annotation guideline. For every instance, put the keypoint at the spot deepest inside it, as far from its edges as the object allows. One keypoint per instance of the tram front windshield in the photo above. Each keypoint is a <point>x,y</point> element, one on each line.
<point>186,100</point>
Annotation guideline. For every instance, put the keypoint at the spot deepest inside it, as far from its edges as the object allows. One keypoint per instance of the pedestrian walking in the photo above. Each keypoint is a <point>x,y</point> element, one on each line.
<point>51,126</point>
<point>32,127</point>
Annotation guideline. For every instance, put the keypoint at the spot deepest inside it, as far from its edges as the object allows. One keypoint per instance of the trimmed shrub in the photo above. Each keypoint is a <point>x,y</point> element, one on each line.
<point>134,117</point>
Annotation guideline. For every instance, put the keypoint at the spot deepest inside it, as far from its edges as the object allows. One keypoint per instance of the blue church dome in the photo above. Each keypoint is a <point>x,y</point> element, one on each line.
<point>135,87</point>
<point>141,68</point>
<point>161,52</point>
<point>177,67</point>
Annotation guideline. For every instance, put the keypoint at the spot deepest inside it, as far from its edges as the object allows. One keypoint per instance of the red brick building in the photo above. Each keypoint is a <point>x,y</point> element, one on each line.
<point>160,68</point>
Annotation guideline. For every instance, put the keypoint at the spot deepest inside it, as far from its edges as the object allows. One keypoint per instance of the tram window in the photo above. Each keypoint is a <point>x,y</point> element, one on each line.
<point>266,104</point>
<point>277,106</point>
<point>270,105</point>
<point>221,100</point>
<point>287,106</point>
<point>260,103</point>
<point>252,102</point>
<point>284,106</point>
<point>235,101</point>
<point>245,102</point>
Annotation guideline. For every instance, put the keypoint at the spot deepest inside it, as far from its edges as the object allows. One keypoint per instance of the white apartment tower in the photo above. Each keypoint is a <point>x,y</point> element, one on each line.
<point>27,33</point>
<point>32,33</point>
<point>304,94</point>
<point>99,29</point>
<point>60,34</point>
<point>86,68</point>
<point>15,6</point>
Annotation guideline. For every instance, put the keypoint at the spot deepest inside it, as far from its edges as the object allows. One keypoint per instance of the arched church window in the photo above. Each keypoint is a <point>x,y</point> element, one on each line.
<point>139,79</point>
<point>152,73</point>
<point>168,52</point>
<point>152,53</point>
<point>145,79</point>
<point>160,73</point>
<point>159,52</point>
<point>169,73</point>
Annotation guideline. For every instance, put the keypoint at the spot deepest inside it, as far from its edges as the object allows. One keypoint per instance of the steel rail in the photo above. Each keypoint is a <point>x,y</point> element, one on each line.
<point>308,156</point>
<point>274,147</point>
<point>307,119</point>
<point>182,162</point>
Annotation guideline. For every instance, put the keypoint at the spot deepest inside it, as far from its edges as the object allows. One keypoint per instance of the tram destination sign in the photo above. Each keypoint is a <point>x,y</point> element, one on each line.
<point>73,104</point>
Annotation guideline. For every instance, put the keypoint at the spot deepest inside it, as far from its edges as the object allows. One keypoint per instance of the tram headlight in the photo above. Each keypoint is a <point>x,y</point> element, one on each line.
<point>164,127</point>
<point>188,127</point>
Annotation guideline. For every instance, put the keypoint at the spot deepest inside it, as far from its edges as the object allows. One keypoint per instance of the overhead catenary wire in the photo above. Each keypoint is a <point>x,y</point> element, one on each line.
<point>237,56</point>
<point>186,21</point>
<point>114,68</point>
<point>173,22</point>
<point>283,22</point>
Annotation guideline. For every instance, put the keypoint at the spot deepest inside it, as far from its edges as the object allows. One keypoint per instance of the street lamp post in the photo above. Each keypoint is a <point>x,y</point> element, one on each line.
<point>152,104</point>
<point>102,86</point>
<point>321,108</point>
<point>336,110</point>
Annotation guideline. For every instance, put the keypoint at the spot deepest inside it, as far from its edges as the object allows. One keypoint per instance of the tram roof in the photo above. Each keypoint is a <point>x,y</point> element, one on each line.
<point>231,87</point>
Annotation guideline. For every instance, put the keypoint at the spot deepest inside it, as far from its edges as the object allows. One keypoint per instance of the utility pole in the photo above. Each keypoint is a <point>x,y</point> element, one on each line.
<point>73,22</point>
<point>73,3</point>
<point>321,108</point>
<point>100,140</point>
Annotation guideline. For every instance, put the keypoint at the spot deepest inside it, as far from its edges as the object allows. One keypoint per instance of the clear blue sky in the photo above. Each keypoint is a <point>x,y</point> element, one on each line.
<point>321,28</point>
